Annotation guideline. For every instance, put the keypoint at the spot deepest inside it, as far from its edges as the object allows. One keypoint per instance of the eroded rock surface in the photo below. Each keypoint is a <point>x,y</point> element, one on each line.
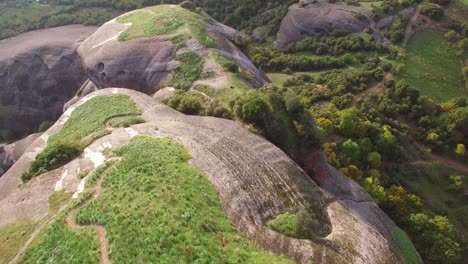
<point>314,17</point>
<point>146,63</point>
<point>39,72</point>
<point>256,182</point>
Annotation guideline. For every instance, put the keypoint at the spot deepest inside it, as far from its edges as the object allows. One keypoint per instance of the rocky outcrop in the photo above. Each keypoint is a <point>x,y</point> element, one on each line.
<point>146,63</point>
<point>39,72</point>
<point>313,17</point>
<point>256,182</point>
<point>10,153</point>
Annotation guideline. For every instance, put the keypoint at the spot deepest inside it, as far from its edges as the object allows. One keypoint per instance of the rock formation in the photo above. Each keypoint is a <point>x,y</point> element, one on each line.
<point>313,17</point>
<point>39,71</point>
<point>256,181</point>
<point>145,62</point>
<point>250,195</point>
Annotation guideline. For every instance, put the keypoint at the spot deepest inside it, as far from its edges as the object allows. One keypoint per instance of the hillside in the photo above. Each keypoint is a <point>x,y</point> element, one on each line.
<point>113,145</point>
<point>301,131</point>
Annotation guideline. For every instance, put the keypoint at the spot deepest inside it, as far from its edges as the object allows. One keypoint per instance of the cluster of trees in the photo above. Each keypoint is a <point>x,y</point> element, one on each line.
<point>433,11</point>
<point>336,44</point>
<point>277,61</point>
<point>338,86</point>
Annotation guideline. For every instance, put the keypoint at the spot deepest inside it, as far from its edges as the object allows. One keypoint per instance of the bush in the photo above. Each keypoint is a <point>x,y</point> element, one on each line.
<point>52,157</point>
<point>255,111</point>
<point>433,11</point>
<point>187,103</point>
<point>44,126</point>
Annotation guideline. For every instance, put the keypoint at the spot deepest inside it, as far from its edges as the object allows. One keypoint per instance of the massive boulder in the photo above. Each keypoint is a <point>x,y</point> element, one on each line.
<point>127,52</point>
<point>39,71</point>
<point>256,182</point>
<point>313,17</point>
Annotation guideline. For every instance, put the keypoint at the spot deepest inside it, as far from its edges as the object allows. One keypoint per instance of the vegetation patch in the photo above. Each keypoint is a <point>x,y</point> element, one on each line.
<point>189,71</point>
<point>60,244</point>
<point>206,89</point>
<point>86,124</point>
<point>433,67</point>
<point>408,252</point>
<point>163,20</point>
<point>57,200</point>
<point>154,200</point>
<point>126,121</point>
<point>13,237</point>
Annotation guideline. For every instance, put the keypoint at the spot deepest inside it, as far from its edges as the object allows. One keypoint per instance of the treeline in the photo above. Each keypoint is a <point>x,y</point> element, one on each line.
<point>277,61</point>
<point>335,44</point>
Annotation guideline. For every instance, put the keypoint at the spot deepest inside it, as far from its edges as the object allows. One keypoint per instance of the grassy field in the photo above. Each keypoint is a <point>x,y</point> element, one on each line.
<point>12,237</point>
<point>162,20</point>
<point>431,66</point>
<point>431,182</point>
<point>168,211</point>
<point>86,124</point>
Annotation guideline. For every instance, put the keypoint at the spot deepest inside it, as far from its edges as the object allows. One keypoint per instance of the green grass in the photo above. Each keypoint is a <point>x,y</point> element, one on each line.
<point>190,70</point>
<point>286,224</point>
<point>126,121</point>
<point>431,66</point>
<point>163,20</point>
<point>206,89</point>
<point>408,252</point>
<point>86,124</point>
<point>13,237</point>
<point>60,244</point>
<point>169,212</point>
<point>57,200</point>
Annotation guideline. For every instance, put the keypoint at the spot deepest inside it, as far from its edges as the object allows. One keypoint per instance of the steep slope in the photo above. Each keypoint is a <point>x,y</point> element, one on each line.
<point>251,195</point>
<point>39,71</point>
<point>141,49</point>
<point>269,199</point>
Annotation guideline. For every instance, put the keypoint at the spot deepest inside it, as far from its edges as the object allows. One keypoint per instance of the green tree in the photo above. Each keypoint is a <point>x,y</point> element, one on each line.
<point>374,159</point>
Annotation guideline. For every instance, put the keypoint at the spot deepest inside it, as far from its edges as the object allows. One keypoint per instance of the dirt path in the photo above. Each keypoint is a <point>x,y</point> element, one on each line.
<point>409,27</point>
<point>103,256</point>
<point>439,159</point>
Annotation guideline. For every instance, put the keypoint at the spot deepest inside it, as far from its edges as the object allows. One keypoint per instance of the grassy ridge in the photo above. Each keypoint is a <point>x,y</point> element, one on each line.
<point>433,67</point>
<point>86,124</point>
<point>169,212</point>
<point>162,20</point>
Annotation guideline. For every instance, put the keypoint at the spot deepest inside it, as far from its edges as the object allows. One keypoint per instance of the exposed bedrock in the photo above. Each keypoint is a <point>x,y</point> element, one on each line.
<point>39,72</point>
<point>312,17</point>
<point>145,63</point>
<point>256,182</point>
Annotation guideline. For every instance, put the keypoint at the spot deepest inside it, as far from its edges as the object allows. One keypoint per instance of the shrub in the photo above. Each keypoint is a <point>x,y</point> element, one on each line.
<point>187,103</point>
<point>433,11</point>
<point>255,111</point>
<point>188,5</point>
<point>52,157</point>
<point>44,126</point>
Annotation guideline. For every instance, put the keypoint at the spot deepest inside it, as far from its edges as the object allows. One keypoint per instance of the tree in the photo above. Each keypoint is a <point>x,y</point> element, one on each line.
<point>400,204</point>
<point>460,150</point>
<point>349,152</point>
<point>434,237</point>
<point>451,36</point>
<point>433,11</point>
<point>374,159</point>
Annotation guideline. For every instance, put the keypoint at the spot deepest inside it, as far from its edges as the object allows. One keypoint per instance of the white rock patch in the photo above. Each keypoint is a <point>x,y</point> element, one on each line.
<point>80,188</point>
<point>132,132</point>
<point>59,183</point>
<point>96,157</point>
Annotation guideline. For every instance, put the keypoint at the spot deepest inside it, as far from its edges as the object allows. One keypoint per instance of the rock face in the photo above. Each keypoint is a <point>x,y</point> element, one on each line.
<point>39,71</point>
<point>307,19</point>
<point>146,63</point>
<point>9,154</point>
<point>251,195</point>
